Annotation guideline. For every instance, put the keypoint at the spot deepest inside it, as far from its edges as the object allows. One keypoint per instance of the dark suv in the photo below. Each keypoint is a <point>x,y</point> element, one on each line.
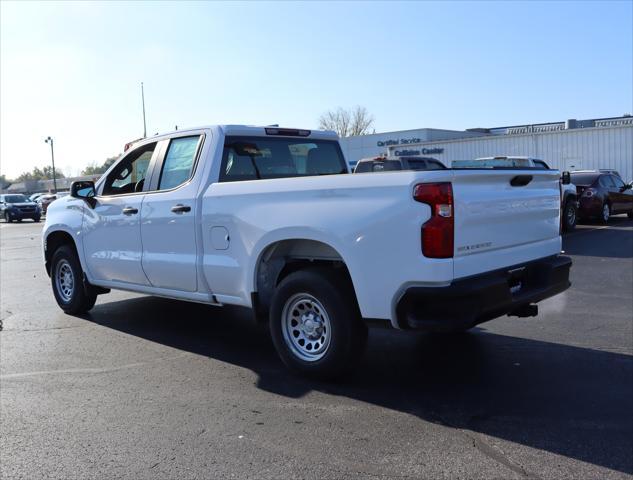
<point>17,207</point>
<point>602,195</point>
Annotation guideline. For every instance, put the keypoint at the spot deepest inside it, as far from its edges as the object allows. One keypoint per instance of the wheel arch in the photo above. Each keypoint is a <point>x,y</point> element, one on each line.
<point>55,239</point>
<point>280,258</point>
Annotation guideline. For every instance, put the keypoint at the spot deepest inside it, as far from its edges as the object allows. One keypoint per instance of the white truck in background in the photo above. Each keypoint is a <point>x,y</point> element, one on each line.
<point>269,218</point>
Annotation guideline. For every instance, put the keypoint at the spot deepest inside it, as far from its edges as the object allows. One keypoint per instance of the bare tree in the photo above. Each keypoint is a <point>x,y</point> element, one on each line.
<point>346,123</point>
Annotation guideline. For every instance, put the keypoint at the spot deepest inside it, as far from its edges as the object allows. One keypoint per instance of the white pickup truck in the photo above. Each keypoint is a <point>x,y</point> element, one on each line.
<point>270,219</point>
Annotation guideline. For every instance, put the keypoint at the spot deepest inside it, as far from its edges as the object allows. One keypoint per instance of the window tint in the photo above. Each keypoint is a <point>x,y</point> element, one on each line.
<point>617,181</point>
<point>129,175</point>
<point>424,164</point>
<point>251,158</point>
<point>417,164</point>
<point>583,179</point>
<point>179,162</point>
<point>15,199</point>
<point>363,167</point>
<point>540,164</point>
<point>606,181</point>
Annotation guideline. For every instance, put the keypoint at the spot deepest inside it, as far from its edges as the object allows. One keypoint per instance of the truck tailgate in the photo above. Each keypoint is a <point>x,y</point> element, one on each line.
<point>504,218</point>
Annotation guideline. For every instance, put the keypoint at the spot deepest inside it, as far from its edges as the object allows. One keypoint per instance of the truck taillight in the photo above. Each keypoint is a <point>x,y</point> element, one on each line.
<point>438,231</point>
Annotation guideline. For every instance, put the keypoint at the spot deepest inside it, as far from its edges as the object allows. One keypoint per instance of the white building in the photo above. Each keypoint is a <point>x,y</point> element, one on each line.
<point>569,145</point>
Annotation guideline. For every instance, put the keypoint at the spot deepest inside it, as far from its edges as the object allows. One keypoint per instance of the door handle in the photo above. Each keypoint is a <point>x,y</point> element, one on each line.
<point>130,211</point>
<point>180,208</point>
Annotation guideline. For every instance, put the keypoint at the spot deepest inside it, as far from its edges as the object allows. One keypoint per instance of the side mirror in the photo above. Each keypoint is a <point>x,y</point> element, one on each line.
<point>84,190</point>
<point>566,177</point>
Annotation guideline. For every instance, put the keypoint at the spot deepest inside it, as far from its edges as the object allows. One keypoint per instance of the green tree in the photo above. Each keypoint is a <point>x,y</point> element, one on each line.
<point>45,173</point>
<point>98,170</point>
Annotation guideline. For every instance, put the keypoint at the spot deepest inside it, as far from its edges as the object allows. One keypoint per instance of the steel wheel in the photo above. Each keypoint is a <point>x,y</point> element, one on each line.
<point>64,280</point>
<point>306,327</point>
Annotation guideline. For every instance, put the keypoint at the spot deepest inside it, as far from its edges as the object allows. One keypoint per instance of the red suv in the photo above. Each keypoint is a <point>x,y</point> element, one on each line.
<point>602,195</point>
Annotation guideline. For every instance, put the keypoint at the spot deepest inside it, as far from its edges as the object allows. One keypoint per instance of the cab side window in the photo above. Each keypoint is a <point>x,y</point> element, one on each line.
<point>179,162</point>
<point>129,175</point>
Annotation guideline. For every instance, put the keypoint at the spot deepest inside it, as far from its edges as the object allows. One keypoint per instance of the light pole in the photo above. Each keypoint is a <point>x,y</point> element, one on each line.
<point>50,140</point>
<point>143,101</point>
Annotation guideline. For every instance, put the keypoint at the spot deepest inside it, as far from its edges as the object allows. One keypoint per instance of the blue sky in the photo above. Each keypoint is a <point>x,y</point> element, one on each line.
<point>72,70</point>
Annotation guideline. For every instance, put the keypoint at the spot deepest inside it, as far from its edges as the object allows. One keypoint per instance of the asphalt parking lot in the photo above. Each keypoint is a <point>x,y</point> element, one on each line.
<point>151,388</point>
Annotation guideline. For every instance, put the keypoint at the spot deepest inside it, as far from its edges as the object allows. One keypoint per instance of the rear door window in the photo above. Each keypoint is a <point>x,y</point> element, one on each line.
<point>179,162</point>
<point>254,158</point>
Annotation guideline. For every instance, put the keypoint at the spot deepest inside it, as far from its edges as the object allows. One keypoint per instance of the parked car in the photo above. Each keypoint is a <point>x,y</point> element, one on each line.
<point>569,197</point>
<point>385,164</point>
<point>602,194</point>
<point>45,200</point>
<point>18,207</point>
<point>268,218</point>
<point>35,196</point>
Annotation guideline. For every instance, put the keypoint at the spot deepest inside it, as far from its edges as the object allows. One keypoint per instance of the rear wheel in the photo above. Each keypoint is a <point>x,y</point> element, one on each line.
<point>36,219</point>
<point>315,323</point>
<point>67,282</point>
<point>570,216</point>
<point>606,213</point>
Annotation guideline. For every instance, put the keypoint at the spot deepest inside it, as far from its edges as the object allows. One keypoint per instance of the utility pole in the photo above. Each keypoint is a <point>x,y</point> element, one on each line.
<point>143,100</point>
<point>50,140</point>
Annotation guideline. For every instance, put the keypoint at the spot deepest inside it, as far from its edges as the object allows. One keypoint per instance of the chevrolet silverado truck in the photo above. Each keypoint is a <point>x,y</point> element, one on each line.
<point>270,219</point>
<point>569,199</point>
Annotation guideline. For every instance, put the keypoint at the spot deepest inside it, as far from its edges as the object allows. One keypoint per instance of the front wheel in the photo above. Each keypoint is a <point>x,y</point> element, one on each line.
<point>606,213</point>
<point>570,216</point>
<point>67,281</point>
<point>315,323</point>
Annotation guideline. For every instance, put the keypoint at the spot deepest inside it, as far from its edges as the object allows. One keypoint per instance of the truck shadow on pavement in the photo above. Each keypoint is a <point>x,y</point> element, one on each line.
<point>567,400</point>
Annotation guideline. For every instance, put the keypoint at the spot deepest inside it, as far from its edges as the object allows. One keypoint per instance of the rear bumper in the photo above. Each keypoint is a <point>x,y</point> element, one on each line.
<point>473,300</point>
<point>590,206</point>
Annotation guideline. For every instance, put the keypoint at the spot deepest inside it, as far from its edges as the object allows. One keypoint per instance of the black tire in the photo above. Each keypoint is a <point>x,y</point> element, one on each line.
<point>570,216</point>
<point>36,219</point>
<point>347,332</point>
<point>630,214</point>
<point>7,217</point>
<point>79,300</point>
<point>604,216</point>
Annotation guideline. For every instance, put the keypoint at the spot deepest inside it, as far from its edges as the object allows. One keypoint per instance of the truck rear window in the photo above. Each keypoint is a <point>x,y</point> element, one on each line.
<point>254,158</point>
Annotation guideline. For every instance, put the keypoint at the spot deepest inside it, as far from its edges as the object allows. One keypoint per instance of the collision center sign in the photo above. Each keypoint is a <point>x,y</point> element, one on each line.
<point>421,151</point>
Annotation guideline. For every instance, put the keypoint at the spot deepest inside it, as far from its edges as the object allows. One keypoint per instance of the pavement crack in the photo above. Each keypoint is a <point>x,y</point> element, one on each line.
<point>489,450</point>
<point>89,371</point>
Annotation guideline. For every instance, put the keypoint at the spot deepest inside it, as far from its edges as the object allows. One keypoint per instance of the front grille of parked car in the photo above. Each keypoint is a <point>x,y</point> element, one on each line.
<point>27,209</point>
